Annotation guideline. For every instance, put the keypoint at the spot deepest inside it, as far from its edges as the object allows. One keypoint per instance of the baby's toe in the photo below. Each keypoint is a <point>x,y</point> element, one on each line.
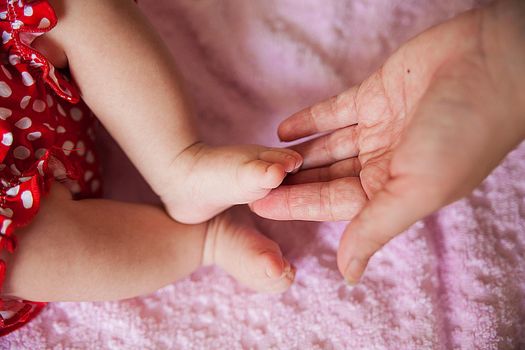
<point>289,159</point>
<point>252,258</point>
<point>279,277</point>
<point>266,272</point>
<point>272,263</point>
<point>259,175</point>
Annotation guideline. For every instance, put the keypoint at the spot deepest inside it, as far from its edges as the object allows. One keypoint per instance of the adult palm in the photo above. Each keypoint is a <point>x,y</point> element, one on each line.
<point>421,132</point>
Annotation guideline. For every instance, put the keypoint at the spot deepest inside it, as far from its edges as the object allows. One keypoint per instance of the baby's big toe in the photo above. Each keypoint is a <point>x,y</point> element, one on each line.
<point>259,176</point>
<point>250,257</point>
<point>265,271</point>
<point>280,275</point>
<point>289,159</point>
<point>269,170</point>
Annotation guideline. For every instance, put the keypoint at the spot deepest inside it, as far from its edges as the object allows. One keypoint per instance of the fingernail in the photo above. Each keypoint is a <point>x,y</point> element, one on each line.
<point>269,272</point>
<point>350,283</point>
<point>353,272</point>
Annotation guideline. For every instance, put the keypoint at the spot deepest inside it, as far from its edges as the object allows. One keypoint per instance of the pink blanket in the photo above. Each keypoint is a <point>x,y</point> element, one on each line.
<point>454,280</point>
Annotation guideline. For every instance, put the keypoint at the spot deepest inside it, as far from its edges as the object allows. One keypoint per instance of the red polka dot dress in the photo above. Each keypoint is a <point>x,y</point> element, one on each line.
<point>46,135</point>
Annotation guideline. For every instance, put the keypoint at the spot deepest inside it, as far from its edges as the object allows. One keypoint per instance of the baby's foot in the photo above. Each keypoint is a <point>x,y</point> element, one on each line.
<point>207,180</point>
<point>251,258</point>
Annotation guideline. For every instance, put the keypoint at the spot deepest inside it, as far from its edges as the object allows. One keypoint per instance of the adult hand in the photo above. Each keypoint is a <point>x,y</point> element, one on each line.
<point>421,132</point>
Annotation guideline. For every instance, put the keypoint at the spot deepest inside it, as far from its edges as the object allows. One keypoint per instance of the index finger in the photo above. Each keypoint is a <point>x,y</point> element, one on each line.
<point>340,199</point>
<point>334,113</point>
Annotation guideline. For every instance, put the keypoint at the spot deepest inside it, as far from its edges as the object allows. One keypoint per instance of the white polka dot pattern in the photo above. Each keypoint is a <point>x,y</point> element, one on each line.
<point>27,199</point>
<point>76,114</point>
<point>7,139</point>
<point>21,152</point>
<point>5,113</point>
<point>5,225</point>
<point>14,170</point>
<point>39,106</point>
<point>13,191</point>
<point>34,135</point>
<point>44,23</point>
<point>24,123</point>
<point>7,212</point>
<point>67,147</point>
<point>39,153</point>
<point>27,79</point>
<point>5,90</point>
<point>28,11</point>
<point>24,102</point>
<point>7,73</point>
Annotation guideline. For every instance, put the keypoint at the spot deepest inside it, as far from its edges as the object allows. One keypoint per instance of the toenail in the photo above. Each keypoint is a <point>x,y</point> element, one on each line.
<point>288,270</point>
<point>296,163</point>
<point>291,273</point>
<point>269,272</point>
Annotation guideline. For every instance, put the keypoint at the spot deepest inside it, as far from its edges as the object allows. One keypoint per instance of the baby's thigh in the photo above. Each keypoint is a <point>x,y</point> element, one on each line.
<point>37,243</point>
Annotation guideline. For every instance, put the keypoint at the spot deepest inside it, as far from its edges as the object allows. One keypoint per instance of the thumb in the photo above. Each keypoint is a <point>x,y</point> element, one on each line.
<point>396,207</point>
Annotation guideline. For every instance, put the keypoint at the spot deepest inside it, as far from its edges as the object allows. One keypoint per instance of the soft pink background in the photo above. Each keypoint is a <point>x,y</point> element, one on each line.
<point>455,280</point>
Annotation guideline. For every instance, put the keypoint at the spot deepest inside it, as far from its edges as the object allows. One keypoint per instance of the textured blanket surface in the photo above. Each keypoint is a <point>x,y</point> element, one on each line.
<point>454,280</point>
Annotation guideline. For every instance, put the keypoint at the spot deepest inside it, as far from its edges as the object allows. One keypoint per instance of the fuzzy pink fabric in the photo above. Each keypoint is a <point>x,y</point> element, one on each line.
<point>454,280</point>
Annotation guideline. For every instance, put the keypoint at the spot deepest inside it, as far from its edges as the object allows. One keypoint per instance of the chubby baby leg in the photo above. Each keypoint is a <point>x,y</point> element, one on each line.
<point>103,250</point>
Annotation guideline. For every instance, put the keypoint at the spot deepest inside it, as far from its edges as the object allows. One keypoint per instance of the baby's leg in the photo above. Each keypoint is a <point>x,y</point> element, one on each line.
<point>102,250</point>
<point>129,80</point>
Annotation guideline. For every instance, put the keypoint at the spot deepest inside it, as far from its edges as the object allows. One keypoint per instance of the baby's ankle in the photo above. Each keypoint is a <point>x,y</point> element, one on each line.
<point>179,169</point>
<point>214,228</point>
<point>188,156</point>
<point>209,244</point>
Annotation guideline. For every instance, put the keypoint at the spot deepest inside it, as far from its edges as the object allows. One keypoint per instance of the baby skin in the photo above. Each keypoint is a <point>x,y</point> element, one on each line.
<point>129,81</point>
<point>130,250</point>
<point>208,180</point>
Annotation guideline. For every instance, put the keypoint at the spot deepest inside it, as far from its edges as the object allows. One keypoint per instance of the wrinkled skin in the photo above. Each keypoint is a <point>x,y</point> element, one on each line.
<point>420,133</point>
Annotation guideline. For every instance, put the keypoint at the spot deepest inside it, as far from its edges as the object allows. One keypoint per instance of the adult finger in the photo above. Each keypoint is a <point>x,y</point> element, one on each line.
<point>327,149</point>
<point>346,168</point>
<point>340,199</point>
<point>334,113</point>
<point>391,211</point>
